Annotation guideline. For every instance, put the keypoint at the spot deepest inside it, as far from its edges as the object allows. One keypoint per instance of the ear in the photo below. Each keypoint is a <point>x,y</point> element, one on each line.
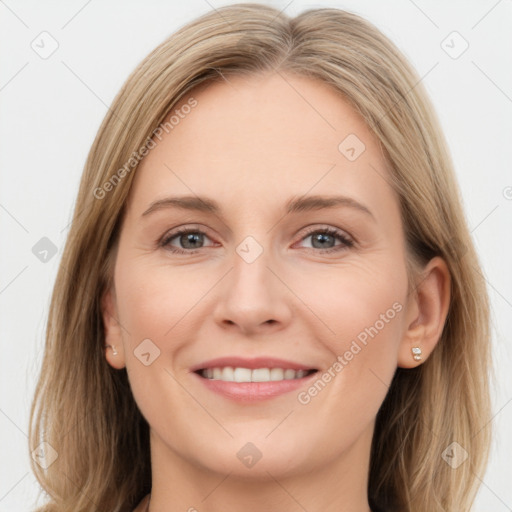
<point>112,331</point>
<point>426,314</point>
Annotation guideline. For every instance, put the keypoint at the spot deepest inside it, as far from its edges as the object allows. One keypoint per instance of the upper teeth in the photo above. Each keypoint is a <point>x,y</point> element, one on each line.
<point>230,374</point>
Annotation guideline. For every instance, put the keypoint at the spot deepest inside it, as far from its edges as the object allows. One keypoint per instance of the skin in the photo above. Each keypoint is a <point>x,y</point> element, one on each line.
<point>293,302</point>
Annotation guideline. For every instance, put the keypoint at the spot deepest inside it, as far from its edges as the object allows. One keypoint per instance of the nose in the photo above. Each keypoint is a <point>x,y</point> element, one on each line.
<point>253,297</point>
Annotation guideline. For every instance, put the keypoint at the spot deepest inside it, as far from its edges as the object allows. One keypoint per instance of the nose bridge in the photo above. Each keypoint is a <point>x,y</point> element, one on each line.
<point>251,279</point>
<point>252,296</point>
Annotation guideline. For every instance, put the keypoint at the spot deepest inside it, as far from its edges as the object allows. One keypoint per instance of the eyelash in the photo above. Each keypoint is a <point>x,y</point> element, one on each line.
<point>346,242</point>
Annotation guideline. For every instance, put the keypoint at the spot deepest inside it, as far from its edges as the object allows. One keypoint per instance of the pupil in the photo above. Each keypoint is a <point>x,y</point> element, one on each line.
<point>190,237</point>
<point>321,237</point>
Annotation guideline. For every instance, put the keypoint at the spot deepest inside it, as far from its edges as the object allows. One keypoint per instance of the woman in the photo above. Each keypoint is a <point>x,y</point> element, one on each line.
<point>269,298</point>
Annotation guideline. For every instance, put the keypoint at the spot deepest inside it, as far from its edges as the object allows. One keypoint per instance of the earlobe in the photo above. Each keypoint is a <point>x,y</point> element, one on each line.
<point>428,309</point>
<point>114,352</point>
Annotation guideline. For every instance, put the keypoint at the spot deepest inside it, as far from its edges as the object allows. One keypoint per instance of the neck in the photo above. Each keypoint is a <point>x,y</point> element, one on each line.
<point>337,486</point>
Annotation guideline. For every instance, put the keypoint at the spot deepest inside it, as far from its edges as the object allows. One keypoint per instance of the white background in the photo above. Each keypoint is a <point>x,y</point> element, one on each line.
<point>51,109</point>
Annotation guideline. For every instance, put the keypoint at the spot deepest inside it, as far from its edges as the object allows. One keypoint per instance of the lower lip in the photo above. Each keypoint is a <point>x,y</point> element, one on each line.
<point>254,391</point>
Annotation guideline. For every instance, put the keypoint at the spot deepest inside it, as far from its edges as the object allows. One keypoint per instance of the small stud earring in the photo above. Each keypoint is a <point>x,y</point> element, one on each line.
<point>416,353</point>
<point>114,351</point>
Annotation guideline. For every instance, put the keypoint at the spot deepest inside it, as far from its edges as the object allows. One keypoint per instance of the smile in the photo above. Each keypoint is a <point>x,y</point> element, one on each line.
<point>246,380</point>
<point>229,374</point>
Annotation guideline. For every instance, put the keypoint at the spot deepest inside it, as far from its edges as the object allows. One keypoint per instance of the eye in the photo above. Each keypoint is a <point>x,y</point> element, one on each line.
<point>190,239</point>
<point>325,238</point>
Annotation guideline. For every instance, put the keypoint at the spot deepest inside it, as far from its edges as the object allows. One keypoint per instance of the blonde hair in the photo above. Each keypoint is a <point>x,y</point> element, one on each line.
<point>84,408</point>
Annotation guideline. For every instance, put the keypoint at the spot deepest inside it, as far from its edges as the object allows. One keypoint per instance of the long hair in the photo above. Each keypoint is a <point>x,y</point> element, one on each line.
<point>83,411</point>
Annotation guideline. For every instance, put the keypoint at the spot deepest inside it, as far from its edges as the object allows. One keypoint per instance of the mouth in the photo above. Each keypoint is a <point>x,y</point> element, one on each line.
<point>249,380</point>
<point>241,374</point>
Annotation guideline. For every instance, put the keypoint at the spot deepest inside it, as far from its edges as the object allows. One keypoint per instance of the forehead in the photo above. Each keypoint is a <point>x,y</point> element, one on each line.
<point>254,141</point>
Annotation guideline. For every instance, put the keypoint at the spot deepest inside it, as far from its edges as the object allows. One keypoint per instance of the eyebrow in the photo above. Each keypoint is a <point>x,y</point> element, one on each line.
<point>293,205</point>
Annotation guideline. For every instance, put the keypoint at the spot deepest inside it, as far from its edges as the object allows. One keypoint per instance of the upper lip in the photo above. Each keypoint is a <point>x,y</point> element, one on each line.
<point>252,363</point>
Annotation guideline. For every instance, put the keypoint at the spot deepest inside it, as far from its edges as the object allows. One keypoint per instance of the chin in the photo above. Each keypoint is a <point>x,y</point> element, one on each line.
<point>261,459</point>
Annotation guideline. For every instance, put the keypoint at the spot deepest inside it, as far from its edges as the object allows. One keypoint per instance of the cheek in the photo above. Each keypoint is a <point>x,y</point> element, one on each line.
<point>361,309</point>
<point>152,302</point>
<point>360,302</point>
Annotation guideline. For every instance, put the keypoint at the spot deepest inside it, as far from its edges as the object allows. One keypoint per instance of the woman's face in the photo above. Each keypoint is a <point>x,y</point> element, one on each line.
<point>294,260</point>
